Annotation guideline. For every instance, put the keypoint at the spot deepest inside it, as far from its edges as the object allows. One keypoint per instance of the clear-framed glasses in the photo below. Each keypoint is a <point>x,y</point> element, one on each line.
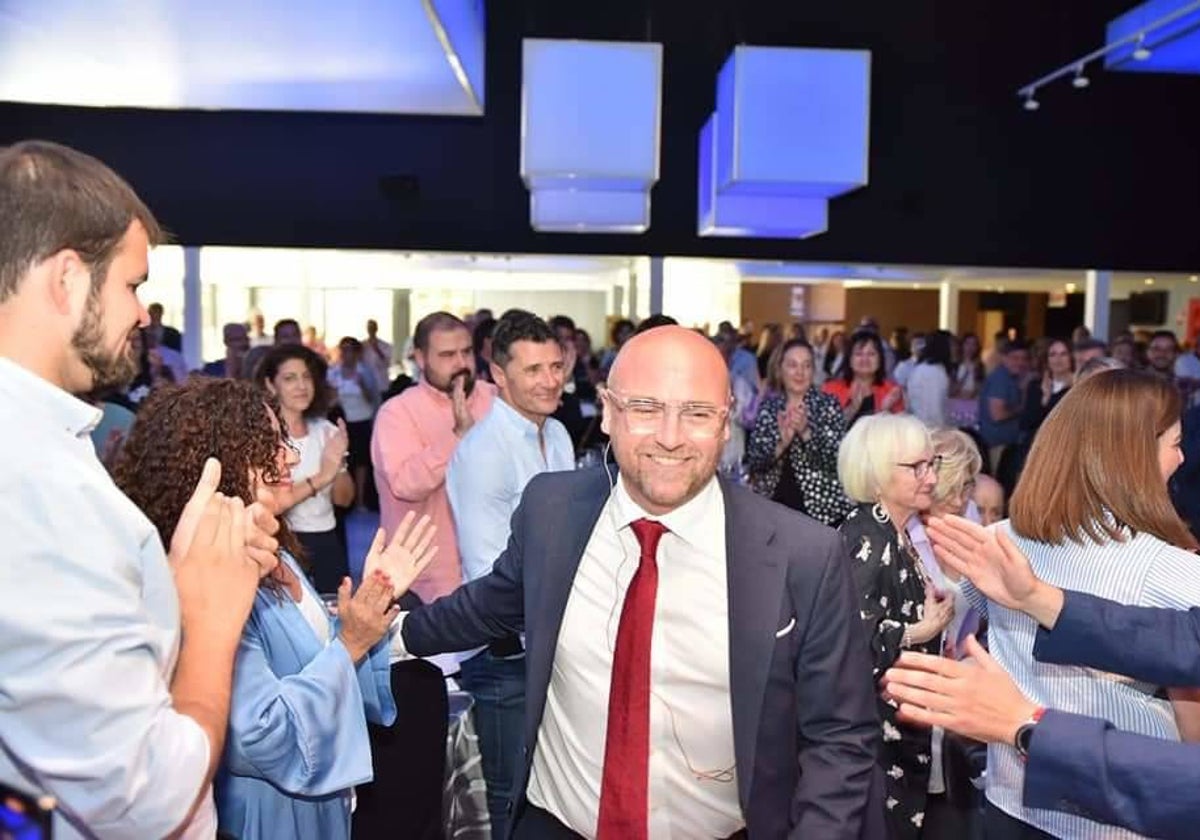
<point>923,467</point>
<point>645,415</point>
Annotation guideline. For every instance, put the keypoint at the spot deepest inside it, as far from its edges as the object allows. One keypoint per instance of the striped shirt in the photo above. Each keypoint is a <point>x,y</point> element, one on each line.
<point>1142,571</point>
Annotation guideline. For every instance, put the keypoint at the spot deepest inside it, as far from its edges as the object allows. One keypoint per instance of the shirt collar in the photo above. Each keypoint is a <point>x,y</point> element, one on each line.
<point>692,522</point>
<point>507,414</point>
<point>76,417</point>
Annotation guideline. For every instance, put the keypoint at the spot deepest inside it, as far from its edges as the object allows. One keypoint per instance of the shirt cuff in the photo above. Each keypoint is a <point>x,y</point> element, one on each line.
<point>397,652</point>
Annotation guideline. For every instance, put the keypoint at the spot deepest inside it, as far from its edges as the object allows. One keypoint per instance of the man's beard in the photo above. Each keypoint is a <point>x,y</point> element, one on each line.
<point>468,377</point>
<point>109,370</point>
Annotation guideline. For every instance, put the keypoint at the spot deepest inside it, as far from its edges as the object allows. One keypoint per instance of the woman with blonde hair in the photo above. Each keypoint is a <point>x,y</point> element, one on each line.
<point>1093,514</point>
<point>888,466</point>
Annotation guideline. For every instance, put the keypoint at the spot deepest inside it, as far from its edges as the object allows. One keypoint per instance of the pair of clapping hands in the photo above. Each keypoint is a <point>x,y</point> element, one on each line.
<point>222,548</point>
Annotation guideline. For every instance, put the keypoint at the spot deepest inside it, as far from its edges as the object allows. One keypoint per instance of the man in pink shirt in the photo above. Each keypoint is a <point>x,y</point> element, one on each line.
<point>416,433</point>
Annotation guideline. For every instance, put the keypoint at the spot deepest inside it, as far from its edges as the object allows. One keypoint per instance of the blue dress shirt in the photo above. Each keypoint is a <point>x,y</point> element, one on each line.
<point>489,471</point>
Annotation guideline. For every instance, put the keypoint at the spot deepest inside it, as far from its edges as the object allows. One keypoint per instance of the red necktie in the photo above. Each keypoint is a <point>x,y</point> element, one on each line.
<point>624,798</point>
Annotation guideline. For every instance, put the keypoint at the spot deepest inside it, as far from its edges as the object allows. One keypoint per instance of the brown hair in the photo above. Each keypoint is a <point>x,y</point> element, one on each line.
<point>53,198</point>
<point>1093,469</point>
<point>432,322</point>
<point>318,369</point>
<point>775,362</point>
<point>181,426</point>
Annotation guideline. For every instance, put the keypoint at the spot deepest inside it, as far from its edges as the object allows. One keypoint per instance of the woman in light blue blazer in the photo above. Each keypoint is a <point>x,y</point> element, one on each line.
<point>305,683</point>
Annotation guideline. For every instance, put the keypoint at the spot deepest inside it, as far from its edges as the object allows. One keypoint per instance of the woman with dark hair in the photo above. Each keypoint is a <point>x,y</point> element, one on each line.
<point>863,388</point>
<point>1045,392</point>
<point>792,453</point>
<point>1092,513</point>
<point>928,388</point>
<point>305,683</point>
<point>296,376</point>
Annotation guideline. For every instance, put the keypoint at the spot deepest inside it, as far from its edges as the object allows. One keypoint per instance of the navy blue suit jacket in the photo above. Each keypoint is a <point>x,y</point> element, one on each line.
<point>1083,765</point>
<point>803,701</point>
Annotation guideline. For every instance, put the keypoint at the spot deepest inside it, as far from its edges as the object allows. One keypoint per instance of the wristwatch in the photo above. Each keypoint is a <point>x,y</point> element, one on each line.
<point>1025,733</point>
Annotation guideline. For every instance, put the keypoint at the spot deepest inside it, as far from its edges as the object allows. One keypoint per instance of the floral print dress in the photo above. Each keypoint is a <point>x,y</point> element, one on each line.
<point>812,464</point>
<point>891,590</point>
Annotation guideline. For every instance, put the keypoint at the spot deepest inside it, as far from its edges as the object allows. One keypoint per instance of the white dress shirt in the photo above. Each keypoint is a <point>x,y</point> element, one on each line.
<point>90,630</point>
<point>693,783</point>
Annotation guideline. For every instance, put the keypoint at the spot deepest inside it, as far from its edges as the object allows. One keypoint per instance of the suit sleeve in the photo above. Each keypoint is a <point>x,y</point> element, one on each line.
<point>838,727</point>
<point>484,610</point>
<point>1085,766</point>
<point>1158,646</point>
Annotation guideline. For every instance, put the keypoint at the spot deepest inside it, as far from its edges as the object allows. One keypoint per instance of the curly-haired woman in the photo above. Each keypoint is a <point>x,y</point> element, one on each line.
<point>304,685</point>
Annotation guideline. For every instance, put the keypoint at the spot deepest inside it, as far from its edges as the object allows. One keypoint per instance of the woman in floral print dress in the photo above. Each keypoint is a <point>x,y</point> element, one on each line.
<point>792,453</point>
<point>886,464</point>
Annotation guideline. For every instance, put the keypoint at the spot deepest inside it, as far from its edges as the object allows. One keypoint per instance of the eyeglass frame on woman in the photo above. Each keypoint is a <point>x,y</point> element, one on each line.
<point>921,468</point>
<point>622,403</point>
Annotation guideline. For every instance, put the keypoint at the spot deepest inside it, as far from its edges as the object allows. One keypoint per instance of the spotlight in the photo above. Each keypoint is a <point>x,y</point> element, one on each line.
<point>1080,81</point>
<point>1142,52</point>
<point>1031,104</point>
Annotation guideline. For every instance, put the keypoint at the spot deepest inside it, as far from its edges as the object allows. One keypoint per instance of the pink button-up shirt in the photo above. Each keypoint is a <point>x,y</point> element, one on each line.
<point>410,448</point>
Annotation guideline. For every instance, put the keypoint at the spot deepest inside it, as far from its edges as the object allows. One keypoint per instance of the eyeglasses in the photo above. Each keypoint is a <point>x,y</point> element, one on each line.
<point>922,468</point>
<point>645,415</point>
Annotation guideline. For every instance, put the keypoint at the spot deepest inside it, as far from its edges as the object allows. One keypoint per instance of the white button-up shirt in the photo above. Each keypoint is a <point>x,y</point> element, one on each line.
<point>693,782</point>
<point>89,633</point>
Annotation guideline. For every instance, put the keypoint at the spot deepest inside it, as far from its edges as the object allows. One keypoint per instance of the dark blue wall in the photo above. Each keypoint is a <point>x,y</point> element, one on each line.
<point>960,174</point>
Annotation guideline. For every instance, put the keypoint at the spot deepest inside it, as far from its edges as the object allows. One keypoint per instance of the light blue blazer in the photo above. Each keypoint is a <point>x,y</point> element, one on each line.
<point>297,740</point>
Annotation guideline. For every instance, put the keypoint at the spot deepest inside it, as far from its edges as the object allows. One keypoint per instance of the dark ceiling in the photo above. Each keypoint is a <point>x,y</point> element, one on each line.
<point>960,174</point>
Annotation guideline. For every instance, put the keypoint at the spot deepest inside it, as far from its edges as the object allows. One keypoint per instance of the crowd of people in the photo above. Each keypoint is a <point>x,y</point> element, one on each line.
<point>695,585</point>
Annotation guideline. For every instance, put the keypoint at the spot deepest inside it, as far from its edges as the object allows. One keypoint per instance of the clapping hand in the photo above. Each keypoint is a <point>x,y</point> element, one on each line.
<point>366,615</point>
<point>406,556</point>
<point>987,557</point>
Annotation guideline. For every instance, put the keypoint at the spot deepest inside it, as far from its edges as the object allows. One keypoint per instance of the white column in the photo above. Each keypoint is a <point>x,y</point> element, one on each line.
<point>1096,302</point>
<point>193,308</point>
<point>948,306</point>
<point>656,285</point>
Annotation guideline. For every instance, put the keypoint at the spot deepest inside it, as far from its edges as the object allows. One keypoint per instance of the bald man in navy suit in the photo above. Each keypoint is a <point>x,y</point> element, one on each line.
<point>694,658</point>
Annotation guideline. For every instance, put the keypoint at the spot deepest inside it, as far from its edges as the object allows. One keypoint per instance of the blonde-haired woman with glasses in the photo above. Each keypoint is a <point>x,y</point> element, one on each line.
<point>887,464</point>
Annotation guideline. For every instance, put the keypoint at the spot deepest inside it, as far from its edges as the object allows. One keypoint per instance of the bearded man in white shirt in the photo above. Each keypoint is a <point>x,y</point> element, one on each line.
<point>101,705</point>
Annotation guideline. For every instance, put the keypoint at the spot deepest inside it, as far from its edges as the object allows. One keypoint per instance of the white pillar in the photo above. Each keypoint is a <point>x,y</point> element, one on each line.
<point>948,306</point>
<point>656,285</point>
<point>193,309</point>
<point>1096,302</point>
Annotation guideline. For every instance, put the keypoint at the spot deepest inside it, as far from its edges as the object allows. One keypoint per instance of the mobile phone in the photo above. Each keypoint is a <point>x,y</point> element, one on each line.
<point>24,817</point>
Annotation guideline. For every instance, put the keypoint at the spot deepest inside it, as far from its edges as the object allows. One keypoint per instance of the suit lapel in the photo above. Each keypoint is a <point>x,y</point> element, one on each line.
<point>756,572</point>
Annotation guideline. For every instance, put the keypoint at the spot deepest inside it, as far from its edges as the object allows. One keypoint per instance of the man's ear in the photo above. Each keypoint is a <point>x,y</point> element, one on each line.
<point>70,280</point>
<point>498,377</point>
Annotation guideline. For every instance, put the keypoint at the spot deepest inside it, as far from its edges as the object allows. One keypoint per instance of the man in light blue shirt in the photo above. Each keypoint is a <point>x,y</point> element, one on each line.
<point>515,441</point>
<point>117,657</point>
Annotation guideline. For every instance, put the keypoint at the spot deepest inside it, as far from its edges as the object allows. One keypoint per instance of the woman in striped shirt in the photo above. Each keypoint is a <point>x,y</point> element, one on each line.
<point>1092,513</point>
